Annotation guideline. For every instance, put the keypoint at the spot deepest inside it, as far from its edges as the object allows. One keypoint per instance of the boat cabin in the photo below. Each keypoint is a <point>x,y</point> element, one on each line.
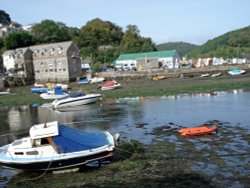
<point>38,142</point>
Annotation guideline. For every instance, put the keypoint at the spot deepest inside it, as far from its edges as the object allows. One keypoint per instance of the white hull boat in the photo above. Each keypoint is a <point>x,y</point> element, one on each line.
<point>216,74</point>
<point>235,72</point>
<point>205,75</point>
<point>109,85</point>
<point>96,80</point>
<point>76,100</point>
<point>52,146</point>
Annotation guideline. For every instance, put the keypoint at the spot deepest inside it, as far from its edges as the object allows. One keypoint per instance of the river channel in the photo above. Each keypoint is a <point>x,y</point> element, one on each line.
<point>142,118</point>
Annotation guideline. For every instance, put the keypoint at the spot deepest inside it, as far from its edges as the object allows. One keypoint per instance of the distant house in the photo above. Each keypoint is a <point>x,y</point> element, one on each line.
<point>6,29</point>
<point>148,60</point>
<point>55,62</point>
<point>19,62</point>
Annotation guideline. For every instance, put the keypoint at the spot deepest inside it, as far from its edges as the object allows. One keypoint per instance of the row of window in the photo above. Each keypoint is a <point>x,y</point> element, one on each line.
<point>51,70</point>
<point>27,153</point>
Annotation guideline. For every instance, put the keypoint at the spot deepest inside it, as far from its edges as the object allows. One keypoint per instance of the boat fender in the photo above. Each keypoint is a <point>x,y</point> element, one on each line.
<point>117,137</point>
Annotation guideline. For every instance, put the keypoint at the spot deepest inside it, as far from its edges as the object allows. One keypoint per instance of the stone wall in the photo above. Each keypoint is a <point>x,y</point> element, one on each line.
<point>171,73</point>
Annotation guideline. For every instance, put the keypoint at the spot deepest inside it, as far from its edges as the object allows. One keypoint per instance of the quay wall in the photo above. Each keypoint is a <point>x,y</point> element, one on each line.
<point>170,73</point>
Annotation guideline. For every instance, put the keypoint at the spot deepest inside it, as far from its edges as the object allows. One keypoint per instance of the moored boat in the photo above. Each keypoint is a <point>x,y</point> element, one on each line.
<point>84,80</point>
<point>109,85</point>
<point>53,146</point>
<point>159,77</point>
<point>235,72</point>
<point>216,74</point>
<point>39,90</point>
<point>55,93</point>
<point>205,75</point>
<point>203,129</point>
<point>76,99</point>
<point>97,80</point>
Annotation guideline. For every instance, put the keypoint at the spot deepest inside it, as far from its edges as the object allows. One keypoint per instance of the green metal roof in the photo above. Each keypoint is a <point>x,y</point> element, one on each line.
<point>158,54</point>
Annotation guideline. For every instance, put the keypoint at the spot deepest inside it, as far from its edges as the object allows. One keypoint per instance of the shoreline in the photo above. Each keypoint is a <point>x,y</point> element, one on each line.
<point>138,88</point>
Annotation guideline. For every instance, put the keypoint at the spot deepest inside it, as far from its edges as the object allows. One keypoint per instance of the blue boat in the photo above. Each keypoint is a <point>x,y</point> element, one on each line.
<point>84,80</point>
<point>39,90</point>
<point>52,146</point>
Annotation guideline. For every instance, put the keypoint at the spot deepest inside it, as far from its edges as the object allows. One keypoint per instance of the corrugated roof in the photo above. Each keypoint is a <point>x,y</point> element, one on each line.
<point>158,54</point>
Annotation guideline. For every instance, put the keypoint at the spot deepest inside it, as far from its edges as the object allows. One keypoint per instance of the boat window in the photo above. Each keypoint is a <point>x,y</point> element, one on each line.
<point>44,141</point>
<point>17,142</point>
<point>32,153</point>
<point>18,153</point>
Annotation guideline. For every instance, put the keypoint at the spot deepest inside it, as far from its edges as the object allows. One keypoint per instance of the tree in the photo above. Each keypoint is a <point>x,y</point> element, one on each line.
<point>97,32</point>
<point>4,18</point>
<point>18,39</point>
<point>97,39</point>
<point>48,31</point>
<point>132,42</point>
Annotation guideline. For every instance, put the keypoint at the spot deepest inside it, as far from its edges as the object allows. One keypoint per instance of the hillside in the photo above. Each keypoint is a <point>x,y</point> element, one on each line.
<point>182,47</point>
<point>232,44</point>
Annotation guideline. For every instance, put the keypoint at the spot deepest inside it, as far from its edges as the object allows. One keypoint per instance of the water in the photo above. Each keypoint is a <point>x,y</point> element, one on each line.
<point>138,118</point>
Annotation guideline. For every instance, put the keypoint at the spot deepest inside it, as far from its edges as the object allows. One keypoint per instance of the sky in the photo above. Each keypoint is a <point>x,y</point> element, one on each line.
<point>192,21</point>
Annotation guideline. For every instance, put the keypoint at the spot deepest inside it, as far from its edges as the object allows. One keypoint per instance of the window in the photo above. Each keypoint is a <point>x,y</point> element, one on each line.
<point>32,153</point>
<point>18,153</point>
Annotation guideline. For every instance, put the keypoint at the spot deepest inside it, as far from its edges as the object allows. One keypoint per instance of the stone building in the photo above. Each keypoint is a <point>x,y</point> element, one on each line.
<point>56,62</point>
<point>18,62</point>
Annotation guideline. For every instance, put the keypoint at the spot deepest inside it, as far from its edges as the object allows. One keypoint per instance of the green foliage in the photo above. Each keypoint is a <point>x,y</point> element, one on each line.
<point>181,47</point>
<point>132,42</point>
<point>97,32</point>
<point>48,32</point>
<point>18,40</point>
<point>4,18</point>
<point>229,45</point>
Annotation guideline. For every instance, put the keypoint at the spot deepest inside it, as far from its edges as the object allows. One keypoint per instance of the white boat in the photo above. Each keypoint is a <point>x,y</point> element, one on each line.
<point>235,72</point>
<point>205,75</point>
<point>52,146</point>
<point>39,85</point>
<point>63,86</point>
<point>109,85</point>
<point>76,99</point>
<point>4,92</point>
<point>96,80</point>
<point>216,74</point>
<point>55,93</point>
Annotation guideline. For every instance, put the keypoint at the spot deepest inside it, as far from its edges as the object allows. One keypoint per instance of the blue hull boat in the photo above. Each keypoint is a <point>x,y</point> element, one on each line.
<point>39,90</point>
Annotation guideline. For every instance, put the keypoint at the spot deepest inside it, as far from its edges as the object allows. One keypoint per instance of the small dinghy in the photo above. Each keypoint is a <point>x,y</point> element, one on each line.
<point>203,129</point>
<point>96,80</point>
<point>110,85</point>
<point>52,146</point>
<point>235,72</point>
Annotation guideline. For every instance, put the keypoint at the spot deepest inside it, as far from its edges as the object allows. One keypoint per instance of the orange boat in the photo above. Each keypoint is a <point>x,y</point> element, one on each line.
<point>203,129</point>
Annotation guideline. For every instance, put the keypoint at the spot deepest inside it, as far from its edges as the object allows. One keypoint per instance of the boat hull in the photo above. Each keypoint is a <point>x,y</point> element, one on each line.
<point>39,90</point>
<point>61,164</point>
<point>77,101</point>
<point>50,96</point>
<point>104,88</point>
<point>197,130</point>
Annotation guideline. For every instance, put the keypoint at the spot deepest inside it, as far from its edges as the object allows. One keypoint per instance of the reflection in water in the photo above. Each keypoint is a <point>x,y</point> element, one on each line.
<point>148,119</point>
